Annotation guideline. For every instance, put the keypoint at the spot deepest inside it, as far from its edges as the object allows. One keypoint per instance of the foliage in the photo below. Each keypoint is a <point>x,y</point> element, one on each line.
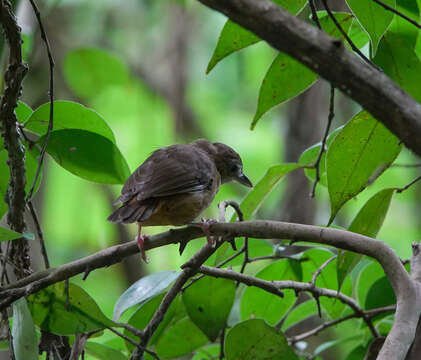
<point>215,316</point>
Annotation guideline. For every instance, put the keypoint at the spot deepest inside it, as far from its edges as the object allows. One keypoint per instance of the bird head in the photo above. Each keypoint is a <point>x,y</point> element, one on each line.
<point>227,161</point>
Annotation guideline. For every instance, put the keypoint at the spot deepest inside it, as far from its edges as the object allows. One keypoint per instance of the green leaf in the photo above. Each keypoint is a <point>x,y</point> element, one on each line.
<point>310,155</point>
<point>31,164</point>
<point>208,303</point>
<point>255,340</point>
<point>327,279</point>
<point>88,155</point>
<point>366,278</point>
<point>380,294</point>
<point>362,150</point>
<point>101,351</point>
<point>6,234</point>
<point>144,313</point>
<point>207,353</point>
<point>25,342</point>
<point>368,222</point>
<point>233,37</point>
<point>50,313</point>
<point>144,289</point>
<point>402,27</point>
<point>327,345</point>
<point>309,158</point>
<point>285,79</point>
<point>357,34</point>
<point>87,71</point>
<point>257,303</point>
<point>254,198</point>
<point>301,312</point>
<point>400,62</point>
<point>343,18</point>
<point>68,115</point>
<point>23,111</point>
<point>374,18</point>
<point>180,338</point>
<point>358,353</point>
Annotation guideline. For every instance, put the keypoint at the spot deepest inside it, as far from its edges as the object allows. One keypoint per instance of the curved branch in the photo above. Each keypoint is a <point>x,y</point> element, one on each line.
<point>323,54</point>
<point>261,229</point>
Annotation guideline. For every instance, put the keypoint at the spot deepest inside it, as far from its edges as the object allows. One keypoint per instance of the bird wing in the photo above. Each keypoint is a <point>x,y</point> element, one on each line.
<point>170,171</point>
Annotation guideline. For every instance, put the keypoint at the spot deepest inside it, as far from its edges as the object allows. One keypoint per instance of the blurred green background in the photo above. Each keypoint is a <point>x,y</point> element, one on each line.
<point>158,94</point>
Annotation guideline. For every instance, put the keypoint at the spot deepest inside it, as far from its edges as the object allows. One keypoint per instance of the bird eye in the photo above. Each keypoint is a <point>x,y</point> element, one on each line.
<point>234,168</point>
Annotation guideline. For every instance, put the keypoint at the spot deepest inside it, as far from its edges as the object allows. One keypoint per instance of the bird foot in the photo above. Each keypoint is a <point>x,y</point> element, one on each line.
<point>204,225</point>
<point>141,243</point>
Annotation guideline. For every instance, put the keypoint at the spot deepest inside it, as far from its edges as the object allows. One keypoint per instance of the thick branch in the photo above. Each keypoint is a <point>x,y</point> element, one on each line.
<point>342,239</point>
<point>16,152</point>
<point>376,92</point>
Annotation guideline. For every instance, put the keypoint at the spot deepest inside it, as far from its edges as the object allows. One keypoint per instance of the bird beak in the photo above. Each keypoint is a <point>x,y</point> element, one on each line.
<point>244,180</point>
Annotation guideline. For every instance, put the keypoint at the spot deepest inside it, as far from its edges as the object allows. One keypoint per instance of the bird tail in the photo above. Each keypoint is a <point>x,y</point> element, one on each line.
<point>133,212</point>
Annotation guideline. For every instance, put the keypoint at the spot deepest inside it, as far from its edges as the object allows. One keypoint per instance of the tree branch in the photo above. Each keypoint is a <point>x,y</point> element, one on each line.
<point>16,152</point>
<point>376,92</point>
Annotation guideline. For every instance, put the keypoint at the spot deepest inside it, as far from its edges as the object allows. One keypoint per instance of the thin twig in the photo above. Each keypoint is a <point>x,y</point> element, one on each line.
<point>51,96</point>
<point>321,268</point>
<point>369,314</point>
<point>403,16</point>
<point>408,185</point>
<point>314,15</point>
<point>131,341</point>
<point>39,233</point>
<point>275,287</point>
<point>221,344</point>
<point>406,165</point>
<point>323,146</point>
<point>348,39</point>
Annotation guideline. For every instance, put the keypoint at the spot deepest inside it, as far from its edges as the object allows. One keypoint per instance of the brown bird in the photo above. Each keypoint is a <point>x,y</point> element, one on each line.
<point>176,184</point>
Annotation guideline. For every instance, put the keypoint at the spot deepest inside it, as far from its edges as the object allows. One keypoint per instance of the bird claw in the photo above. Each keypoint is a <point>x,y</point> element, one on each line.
<point>141,243</point>
<point>205,224</point>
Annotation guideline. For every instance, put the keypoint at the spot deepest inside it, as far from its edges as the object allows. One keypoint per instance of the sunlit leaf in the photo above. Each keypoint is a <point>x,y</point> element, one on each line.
<point>255,340</point>
<point>68,115</point>
<point>301,312</point>
<point>327,279</point>
<point>358,35</point>
<point>233,37</point>
<point>399,61</point>
<point>257,303</point>
<point>343,18</point>
<point>89,70</point>
<point>207,353</point>
<point>23,111</point>
<point>327,345</point>
<point>368,222</point>
<point>144,289</point>
<point>362,150</point>
<point>88,155</point>
<point>285,79</point>
<point>208,303</point>
<point>373,17</point>
<point>101,351</point>
<point>6,234</point>
<point>310,155</point>
<point>401,26</point>
<point>255,197</point>
<point>54,312</point>
<point>25,342</point>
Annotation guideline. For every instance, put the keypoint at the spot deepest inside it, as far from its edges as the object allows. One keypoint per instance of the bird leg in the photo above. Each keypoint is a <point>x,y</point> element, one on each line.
<point>141,243</point>
<point>204,225</point>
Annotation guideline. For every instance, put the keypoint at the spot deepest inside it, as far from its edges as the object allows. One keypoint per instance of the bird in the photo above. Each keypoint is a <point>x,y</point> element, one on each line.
<point>175,184</point>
